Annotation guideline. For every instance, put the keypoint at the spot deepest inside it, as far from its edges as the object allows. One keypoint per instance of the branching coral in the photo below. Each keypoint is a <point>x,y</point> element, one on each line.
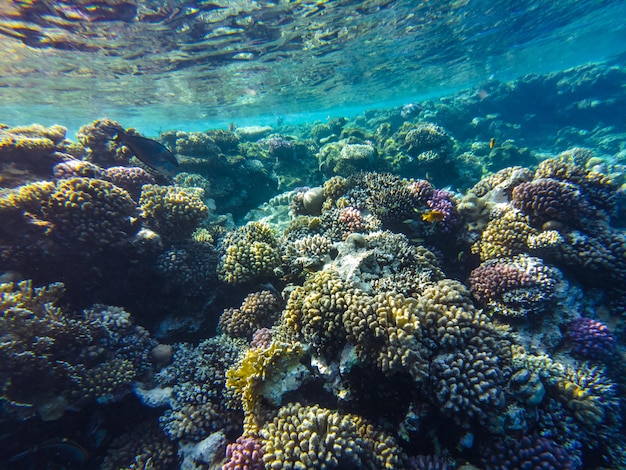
<point>171,211</point>
<point>258,310</point>
<point>249,253</point>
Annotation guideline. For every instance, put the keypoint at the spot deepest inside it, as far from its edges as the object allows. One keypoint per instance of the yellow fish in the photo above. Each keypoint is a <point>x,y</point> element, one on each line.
<point>492,143</point>
<point>433,216</point>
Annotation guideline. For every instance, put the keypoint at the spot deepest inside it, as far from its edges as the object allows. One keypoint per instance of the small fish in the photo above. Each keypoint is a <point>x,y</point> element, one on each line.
<point>433,216</point>
<point>460,256</point>
<point>492,143</point>
<point>63,453</point>
<point>418,240</point>
<point>410,109</point>
<point>154,154</point>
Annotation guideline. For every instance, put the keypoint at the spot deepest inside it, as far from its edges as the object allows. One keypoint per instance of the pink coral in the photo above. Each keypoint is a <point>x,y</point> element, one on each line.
<point>352,219</point>
<point>245,453</point>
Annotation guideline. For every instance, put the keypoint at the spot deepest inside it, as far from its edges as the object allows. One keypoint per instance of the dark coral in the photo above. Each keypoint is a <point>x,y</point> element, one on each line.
<point>258,310</point>
<point>528,452</point>
<point>515,286</point>
<point>591,339</point>
<point>547,199</point>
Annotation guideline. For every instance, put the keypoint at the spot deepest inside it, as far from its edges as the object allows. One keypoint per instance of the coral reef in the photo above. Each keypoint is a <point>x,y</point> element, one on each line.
<point>52,358</point>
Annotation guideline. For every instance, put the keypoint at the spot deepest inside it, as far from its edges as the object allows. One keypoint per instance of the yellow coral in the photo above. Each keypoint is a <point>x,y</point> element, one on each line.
<point>172,211</point>
<point>256,367</point>
<point>505,235</point>
<point>251,252</point>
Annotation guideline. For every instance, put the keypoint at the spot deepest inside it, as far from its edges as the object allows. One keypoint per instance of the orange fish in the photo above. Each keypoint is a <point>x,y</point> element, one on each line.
<point>492,143</point>
<point>433,216</point>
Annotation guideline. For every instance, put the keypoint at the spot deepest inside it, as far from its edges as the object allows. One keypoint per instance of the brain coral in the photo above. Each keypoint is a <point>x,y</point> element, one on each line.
<point>90,210</point>
<point>515,286</point>
<point>171,211</point>
<point>249,253</point>
<point>302,437</point>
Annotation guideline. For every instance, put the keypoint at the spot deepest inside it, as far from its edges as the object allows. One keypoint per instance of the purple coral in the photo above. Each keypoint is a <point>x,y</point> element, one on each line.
<point>245,453</point>
<point>442,201</point>
<point>129,178</point>
<point>422,189</point>
<point>261,338</point>
<point>591,339</point>
<point>279,147</point>
<point>547,199</point>
<point>528,452</point>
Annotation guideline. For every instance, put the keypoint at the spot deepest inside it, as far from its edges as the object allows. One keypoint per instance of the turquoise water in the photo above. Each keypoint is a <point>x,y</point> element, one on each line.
<point>312,234</point>
<point>196,66</point>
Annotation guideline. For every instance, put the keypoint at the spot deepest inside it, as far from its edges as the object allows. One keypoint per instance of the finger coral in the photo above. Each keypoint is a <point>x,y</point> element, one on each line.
<point>517,286</point>
<point>258,310</point>
<point>173,212</point>
<point>91,211</point>
<point>249,253</point>
<point>302,437</point>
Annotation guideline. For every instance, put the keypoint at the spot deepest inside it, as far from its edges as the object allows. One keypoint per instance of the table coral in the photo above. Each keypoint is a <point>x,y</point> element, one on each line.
<point>171,211</point>
<point>258,310</point>
<point>302,437</point>
<point>91,211</point>
<point>249,253</point>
